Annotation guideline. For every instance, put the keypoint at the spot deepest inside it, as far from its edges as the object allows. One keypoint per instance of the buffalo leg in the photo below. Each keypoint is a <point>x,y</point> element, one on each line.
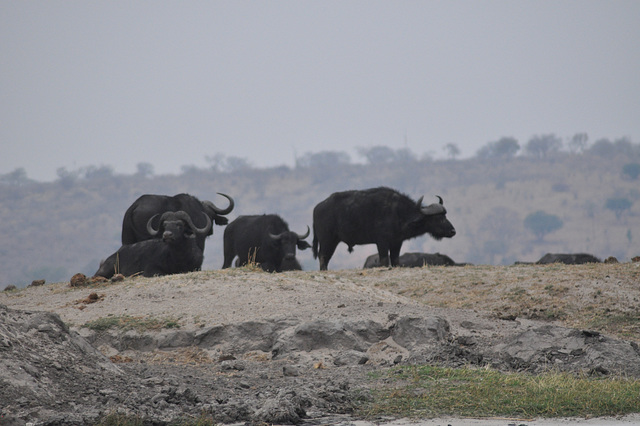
<point>395,255</point>
<point>229,254</point>
<point>326,252</point>
<point>383,254</point>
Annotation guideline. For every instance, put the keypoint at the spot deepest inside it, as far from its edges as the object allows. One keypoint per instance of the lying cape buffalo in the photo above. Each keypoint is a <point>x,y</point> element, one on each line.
<point>568,258</point>
<point>265,240</point>
<point>413,260</point>
<point>380,216</point>
<point>134,223</point>
<point>176,252</point>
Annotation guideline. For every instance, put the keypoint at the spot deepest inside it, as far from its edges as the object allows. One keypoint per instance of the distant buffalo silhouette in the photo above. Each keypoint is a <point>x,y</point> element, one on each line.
<point>566,258</point>
<point>413,260</point>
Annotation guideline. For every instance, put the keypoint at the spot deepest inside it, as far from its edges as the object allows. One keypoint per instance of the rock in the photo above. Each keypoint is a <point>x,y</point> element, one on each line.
<point>286,408</point>
<point>570,350</point>
<point>290,371</point>
<point>78,280</point>
<point>350,358</point>
<point>322,334</point>
<point>117,278</point>
<point>409,332</point>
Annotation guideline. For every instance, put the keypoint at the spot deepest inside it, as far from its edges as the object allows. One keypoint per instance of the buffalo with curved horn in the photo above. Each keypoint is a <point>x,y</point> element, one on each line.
<point>150,207</point>
<point>262,239</point>
<point>380,216</point>
<point>176,251</point>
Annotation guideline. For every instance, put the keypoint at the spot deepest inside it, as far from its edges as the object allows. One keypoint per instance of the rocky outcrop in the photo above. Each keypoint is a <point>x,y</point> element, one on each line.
<point>279,371</point>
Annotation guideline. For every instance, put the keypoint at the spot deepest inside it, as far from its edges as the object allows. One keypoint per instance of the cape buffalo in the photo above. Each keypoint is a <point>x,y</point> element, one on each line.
<point>134,224</point>
<point>568,259</point>
<point>265,240</point>
<point>413,260</point>
<point>177,251</point>
<point>380,216</point>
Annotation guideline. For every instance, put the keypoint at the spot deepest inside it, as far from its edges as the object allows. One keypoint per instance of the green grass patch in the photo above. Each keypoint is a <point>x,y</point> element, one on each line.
<point>425,391</point>
<point>126,322</point>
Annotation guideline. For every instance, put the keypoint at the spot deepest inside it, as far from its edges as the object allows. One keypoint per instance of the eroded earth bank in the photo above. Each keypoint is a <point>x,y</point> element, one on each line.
<point>297,347</point>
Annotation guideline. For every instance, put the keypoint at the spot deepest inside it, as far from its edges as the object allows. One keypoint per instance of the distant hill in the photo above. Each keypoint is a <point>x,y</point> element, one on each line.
<point>53,230</point>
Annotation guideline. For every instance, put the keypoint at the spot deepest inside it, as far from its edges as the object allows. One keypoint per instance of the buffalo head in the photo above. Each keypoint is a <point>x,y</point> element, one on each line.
<point>177,225</point>
<point>289,240</point>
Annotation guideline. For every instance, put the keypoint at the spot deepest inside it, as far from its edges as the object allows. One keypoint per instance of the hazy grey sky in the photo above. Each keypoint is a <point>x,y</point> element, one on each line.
<point>122,82</point>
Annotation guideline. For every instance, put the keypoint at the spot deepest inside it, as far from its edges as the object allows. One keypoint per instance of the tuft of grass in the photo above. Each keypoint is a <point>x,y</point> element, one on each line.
<point>252,265</point>
<point>427,391</point>
<point>126,323</point>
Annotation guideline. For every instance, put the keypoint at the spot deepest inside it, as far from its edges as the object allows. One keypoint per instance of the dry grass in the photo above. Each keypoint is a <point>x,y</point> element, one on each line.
<point>601,297</point>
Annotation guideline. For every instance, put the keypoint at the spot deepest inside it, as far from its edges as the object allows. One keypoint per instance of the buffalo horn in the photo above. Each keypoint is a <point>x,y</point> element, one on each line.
<point>275,236</point>
<point>218,210</point>
<point>302,237</point>
<point>433,209</point>
<point>184,216</point>
<point>150,230</point>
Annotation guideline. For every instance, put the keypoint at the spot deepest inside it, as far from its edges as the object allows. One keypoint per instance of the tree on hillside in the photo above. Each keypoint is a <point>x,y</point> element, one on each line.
<point>380,154</point>
<point>66,178</point>
<point>323,159</point>
<point>144,170</point>
<point>540,146</point>
<point>578,143</point>
<point>623,146</point>
<point>503,148</point>
<point>98,172</point>
<point>228,164</point>
<point>18,177</point>
<point>631,171</point>
<point>618,205</point>
<point>452,150</point>
<point>377,154</point>
<point>405,155</point>
<point>541,223</point>
<point>602,148</point>
<point>607,149</point>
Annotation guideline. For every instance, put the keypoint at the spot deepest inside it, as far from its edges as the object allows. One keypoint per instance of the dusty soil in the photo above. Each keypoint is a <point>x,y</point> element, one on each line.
<point>245,346</point>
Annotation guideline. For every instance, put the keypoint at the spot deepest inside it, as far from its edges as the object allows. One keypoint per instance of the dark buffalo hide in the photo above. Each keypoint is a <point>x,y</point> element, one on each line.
<point>568,258</point>
<point>264,240</point>
<point>176,251</point>
<point>413,260</point>
<point>134,223</point>
<point>381,216</point>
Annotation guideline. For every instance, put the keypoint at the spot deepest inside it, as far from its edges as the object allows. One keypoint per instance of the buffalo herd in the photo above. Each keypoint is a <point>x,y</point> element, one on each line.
<point>164,235</point>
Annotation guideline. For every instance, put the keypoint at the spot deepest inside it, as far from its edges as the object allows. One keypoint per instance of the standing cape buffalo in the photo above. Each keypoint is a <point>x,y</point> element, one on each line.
<point>380,216</point>
<point>413,260</point>
<point>175,253</point>
<point>134,224</point>
<point>265,240</point>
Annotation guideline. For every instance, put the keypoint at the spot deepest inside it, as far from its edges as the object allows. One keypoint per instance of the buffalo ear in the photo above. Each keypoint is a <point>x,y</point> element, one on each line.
<point>221,220</point>
<point>303,245</point>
